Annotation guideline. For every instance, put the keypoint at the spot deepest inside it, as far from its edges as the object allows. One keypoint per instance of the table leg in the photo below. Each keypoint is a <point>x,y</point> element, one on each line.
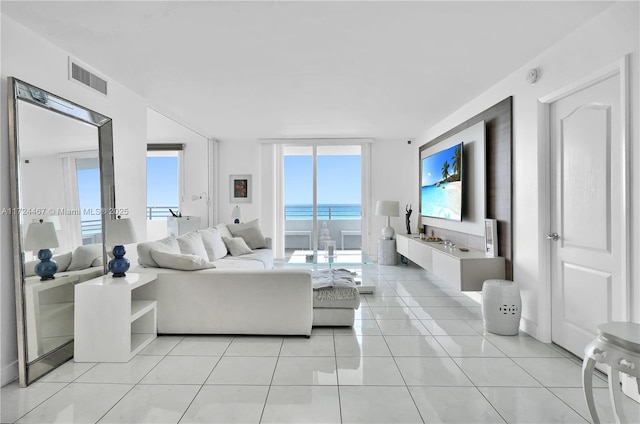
<point>615,393</point>
<point>587,384</point>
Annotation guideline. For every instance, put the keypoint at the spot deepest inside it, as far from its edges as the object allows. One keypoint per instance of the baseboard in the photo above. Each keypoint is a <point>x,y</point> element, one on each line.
<point>9,373</point>
<point>531,328</point>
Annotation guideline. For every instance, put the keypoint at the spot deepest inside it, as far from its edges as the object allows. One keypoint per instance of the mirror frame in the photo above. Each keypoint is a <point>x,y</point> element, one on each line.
<point>20,90</point>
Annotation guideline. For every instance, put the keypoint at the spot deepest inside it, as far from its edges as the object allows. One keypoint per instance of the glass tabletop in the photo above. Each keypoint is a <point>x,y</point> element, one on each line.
<point>321,257</point>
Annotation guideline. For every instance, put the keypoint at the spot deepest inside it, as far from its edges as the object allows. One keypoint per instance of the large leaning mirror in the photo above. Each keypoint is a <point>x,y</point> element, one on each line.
<point>61,185</point>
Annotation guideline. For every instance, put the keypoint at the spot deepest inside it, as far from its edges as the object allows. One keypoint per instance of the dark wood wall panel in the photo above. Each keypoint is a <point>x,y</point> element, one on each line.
<point>498,150</point>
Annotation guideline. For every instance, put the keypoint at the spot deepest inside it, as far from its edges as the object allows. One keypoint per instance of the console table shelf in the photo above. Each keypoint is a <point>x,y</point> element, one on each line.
<point>110,326</point>
<point>466,271</point>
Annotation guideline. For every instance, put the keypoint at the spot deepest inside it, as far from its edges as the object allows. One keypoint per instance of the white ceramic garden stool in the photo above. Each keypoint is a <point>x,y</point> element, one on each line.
<point>501,307</point>
<point>617,345</point>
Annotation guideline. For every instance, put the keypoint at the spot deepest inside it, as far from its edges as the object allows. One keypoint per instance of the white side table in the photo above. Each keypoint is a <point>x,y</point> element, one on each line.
<point>111,324</point>
<point>617,345</point>
<point>387,252</point>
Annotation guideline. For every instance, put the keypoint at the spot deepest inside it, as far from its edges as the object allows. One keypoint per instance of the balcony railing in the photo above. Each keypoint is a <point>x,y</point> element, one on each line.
<point>159,212</point>
<point>325,212</point>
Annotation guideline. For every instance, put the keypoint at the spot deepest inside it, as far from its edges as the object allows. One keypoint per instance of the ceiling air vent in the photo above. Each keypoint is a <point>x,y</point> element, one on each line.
<point>83,76</point>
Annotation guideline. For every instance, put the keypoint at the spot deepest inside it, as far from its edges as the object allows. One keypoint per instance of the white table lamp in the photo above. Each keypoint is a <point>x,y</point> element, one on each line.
<point>41,236</point>
<point>118,233</point>
<point>236,214</point>
<point>388,208</point>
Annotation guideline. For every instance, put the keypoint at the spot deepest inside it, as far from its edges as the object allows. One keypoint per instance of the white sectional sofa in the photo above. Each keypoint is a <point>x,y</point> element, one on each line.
<point>206,284</point>
<point>224,293</point>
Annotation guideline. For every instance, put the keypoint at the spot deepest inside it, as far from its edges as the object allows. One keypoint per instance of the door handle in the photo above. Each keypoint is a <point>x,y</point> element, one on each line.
<point>553,236</point>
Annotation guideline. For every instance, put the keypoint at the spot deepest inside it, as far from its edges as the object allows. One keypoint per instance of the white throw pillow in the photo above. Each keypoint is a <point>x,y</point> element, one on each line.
<point>192,244</point>
<point>237,246</point>
<point>168,244</point>
<point>216,249</point>
<point>253,236</point>
<point>224,231</point>
<point>83,256</point>
<point>97,261</point>
<point>64,260</point>
<point>251,224</point>
<point>180,261</point>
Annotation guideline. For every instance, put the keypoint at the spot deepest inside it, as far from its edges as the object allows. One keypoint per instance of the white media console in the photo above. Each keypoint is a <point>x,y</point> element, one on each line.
<point>465,271</point>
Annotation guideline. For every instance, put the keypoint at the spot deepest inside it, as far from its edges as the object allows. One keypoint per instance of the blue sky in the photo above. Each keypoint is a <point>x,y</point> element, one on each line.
<point>162,181</point>
<point>338,180</point>
<point>89,191</point>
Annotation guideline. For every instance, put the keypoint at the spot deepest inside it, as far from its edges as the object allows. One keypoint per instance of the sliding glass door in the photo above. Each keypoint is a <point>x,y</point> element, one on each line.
<point>322,197</point>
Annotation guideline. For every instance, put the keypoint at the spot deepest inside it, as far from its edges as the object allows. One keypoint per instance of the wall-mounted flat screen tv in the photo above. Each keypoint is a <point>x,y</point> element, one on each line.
<point>441,184</point>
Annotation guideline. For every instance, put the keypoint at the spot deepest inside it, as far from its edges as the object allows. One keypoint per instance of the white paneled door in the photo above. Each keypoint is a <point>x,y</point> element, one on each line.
<point>587,213</point>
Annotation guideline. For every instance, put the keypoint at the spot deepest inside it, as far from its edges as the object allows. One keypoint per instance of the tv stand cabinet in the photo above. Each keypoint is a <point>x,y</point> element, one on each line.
<point>465,271</point>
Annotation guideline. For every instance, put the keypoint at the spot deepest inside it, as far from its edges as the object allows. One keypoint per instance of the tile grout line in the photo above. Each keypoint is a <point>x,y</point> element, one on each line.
<point>273,374</point>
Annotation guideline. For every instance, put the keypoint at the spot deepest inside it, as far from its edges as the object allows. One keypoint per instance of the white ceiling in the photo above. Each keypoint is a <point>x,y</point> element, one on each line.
<point>246,70</point>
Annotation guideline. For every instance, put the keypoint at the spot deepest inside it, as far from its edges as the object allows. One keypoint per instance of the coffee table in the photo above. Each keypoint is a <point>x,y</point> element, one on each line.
<point>352,260</point>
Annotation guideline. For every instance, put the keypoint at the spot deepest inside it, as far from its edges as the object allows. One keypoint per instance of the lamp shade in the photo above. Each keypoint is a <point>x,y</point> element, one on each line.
<point>41,235</point>
<point>387,208</point>
<point>52,218</point>
<point>236,214</point>
<point>120,231</point>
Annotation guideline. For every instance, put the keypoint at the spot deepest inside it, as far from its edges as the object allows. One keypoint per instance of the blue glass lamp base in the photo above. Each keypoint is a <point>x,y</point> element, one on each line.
<point>46,268</point>
<point>119,264</point>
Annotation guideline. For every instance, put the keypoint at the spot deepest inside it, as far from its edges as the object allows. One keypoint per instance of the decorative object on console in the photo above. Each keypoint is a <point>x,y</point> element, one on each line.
<point>408,215</point>
<point>119,233</point>
<point>388,208</point>
<point>41,236</point>
<point>236,214</point>
<point>240,189</point>
<point>491,237</point>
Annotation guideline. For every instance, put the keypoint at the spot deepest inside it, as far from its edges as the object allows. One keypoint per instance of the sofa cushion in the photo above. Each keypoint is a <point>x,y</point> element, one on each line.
<point>216,249</point>
<point>169,244</point>
<point>191,244</point>
<point>264,256</point>
<point>237,227</point>
<point>184,262</point>
<point>224,231</point>
<point>64,260</point>
<point>240,263</point>
<point>237,246</point>
<point>253,236</point>
<point>83,256</point>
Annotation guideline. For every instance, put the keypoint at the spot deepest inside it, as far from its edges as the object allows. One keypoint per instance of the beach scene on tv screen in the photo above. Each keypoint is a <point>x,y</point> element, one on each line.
<point>442,184</point>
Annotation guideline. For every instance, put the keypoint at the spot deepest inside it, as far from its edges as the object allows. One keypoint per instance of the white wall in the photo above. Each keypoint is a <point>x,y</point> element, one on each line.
<point>239,157</point>
<point>31,58</point>
<point>600,42</point>
<point>394,176</point>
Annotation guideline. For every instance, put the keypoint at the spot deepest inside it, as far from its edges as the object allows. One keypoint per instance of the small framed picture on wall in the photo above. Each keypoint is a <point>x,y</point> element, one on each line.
<point>240,189</point>
<point>491,237</point>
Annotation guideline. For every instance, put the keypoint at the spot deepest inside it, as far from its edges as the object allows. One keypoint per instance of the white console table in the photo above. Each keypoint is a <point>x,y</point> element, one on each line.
<point>465,271</point>
<point>182,225</point>
<point>111,325</point>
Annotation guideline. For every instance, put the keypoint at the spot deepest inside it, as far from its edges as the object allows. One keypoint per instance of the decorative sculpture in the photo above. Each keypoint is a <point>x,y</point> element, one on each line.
<point>409,210</point>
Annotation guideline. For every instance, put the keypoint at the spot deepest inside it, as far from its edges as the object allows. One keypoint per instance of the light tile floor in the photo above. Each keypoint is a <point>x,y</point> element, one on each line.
<point>417,353</point>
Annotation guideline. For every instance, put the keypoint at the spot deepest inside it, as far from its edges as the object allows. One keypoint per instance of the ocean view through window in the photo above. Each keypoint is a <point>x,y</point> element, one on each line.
<point>334,201</point>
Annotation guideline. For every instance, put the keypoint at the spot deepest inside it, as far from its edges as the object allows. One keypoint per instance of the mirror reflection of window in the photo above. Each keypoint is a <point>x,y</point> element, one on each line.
<point>164,170</point>
<point>88,178</point>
